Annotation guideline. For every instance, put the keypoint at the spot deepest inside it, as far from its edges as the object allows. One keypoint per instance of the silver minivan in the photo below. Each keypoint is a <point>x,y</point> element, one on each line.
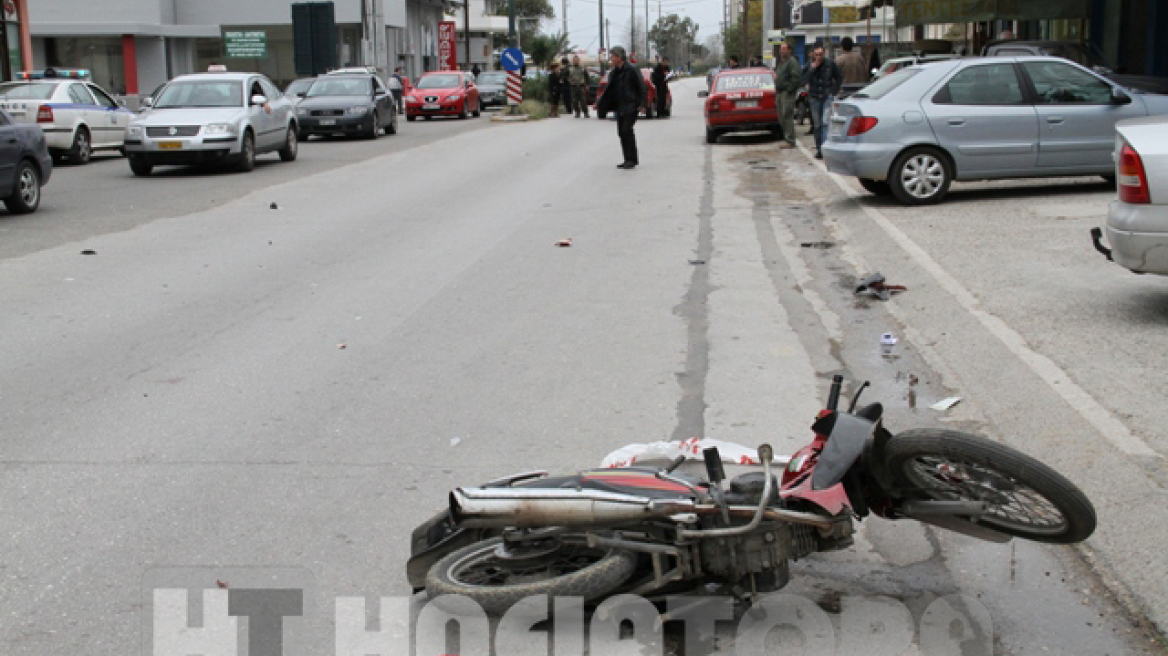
<point>913,132</point>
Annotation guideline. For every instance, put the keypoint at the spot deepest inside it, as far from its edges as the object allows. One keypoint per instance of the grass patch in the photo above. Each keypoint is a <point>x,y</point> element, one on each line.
<point>535,109</point>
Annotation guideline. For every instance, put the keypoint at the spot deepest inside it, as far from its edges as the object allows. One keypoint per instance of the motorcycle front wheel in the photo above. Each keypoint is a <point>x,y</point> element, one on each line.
<point>496,580</point>
<point>1025,498</point>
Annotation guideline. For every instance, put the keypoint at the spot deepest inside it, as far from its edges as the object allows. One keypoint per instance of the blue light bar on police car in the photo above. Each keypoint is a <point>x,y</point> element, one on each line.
<point>74,73</point>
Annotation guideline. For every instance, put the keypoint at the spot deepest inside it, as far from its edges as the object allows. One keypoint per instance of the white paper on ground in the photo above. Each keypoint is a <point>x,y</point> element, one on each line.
<point>692,448</point>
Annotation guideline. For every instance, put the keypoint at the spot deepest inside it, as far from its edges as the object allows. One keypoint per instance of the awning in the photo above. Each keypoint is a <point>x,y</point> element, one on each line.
<point>922,12</point>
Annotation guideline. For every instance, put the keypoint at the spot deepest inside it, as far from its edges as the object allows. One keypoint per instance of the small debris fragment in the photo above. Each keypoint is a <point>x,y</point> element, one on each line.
<point>945,404</point>
<point>455,441</point>
<point>221,584</point>
<point>697,262</point>
<point>342,346</point>
<point>564,243</point>
<point>88,252</point>
<point>874,285</point>
<point>275,206</point>
<point>823,245</point>
<point>887,343</point>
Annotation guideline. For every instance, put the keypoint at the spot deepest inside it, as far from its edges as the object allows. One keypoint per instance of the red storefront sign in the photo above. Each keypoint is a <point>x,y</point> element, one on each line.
<point>447,47</point>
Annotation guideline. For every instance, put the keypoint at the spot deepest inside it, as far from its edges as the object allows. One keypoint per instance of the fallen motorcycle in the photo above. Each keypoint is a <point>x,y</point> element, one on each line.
<point>651,532</point>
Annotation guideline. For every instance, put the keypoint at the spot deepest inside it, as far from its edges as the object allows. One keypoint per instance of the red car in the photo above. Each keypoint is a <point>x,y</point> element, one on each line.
<point>651,100</point>
<point>741,100</point>
<point>443,93</point>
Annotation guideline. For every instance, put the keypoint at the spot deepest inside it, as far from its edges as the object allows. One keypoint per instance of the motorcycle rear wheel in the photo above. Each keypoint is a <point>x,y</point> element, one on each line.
<point>1027,498</point>
<point>478,572</point>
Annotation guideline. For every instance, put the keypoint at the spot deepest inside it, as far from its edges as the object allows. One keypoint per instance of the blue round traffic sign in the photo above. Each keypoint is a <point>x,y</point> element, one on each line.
<point>512,59</point>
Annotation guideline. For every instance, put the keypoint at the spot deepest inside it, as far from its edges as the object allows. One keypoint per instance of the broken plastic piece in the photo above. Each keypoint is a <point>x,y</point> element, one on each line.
<point>945,404</point>
<point>564,243</point>
<point>875,286</point>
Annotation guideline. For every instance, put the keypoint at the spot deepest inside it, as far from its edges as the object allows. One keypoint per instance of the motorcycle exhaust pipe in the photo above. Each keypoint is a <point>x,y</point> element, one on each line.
<point>477,507</point>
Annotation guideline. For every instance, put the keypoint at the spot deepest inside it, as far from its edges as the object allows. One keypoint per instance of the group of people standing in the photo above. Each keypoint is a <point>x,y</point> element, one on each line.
<point>568,83</point>
<point>823,77</point>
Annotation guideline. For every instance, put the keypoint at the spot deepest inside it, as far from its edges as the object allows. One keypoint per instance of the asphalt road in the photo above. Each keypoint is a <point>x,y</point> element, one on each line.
<point>236,390</point>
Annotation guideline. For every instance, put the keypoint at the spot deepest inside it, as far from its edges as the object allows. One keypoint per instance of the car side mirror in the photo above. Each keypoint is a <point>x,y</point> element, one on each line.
<point>1119,96</point>
<point>259,100</point>
<point>703,94</point>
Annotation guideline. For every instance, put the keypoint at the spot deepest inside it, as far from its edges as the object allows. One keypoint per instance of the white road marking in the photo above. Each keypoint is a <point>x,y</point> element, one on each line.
<point>1114,430</point>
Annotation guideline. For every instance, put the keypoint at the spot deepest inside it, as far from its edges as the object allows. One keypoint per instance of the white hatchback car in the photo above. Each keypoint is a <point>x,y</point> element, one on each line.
<point>77,116</point>
<point>1137,222</point>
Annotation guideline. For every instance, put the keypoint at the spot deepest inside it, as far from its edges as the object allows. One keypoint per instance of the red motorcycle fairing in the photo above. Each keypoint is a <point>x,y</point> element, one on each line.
<point>797,481</point>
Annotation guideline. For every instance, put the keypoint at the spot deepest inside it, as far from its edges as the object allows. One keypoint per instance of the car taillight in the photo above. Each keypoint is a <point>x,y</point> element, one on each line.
<point>1133,183</point>
<point>45,114</point>
<point>861,124</point>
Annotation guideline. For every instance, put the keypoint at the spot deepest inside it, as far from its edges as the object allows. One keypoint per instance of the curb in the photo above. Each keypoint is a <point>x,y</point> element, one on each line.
<point>509,119</point>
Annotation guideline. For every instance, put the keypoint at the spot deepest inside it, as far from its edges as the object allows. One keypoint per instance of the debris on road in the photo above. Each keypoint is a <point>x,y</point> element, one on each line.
<point>221,584</point>
<point>874,285</point>
<point>823,245</point>
<point>887,343</point>
<point>342,346</point>
<point>945,404</point>
<point>274,206</point>
<point>455,441</point>
<point>88,252</point>
<point>731,453</point>
<point>564,243</point>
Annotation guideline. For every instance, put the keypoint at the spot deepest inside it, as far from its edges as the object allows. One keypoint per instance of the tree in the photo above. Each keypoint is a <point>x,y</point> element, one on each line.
<point>674,37</point>
<point>545,48</point>
<point>524,9</point>
<point>732,35</point>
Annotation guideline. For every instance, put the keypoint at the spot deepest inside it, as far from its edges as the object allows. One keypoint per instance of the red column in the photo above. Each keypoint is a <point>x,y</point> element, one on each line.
<point>25,36</point>
<point>130,63</point>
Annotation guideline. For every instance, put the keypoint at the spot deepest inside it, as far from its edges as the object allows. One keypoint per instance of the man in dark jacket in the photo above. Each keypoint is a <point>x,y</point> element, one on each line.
<point>823,80</point>
<point>660,80</point>
<point>625,94</point>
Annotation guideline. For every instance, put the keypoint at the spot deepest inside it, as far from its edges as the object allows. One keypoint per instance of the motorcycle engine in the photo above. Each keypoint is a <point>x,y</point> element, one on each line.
<point>763,553</point>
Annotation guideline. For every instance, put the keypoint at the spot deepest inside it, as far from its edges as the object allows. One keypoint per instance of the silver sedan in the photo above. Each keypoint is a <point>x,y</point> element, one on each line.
<point>912,133</point>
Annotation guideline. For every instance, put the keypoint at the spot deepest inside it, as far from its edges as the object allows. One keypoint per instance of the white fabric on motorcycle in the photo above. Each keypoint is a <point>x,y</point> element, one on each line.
<point>665,452</point>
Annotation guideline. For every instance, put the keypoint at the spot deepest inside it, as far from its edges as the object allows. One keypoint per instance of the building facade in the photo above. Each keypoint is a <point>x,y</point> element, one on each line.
<point>483,27</point>
<point>132,46</point>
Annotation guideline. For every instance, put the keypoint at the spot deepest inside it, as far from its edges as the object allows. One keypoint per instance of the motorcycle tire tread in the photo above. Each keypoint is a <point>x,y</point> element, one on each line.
<point>1071,502</point>
<point>592,582</point>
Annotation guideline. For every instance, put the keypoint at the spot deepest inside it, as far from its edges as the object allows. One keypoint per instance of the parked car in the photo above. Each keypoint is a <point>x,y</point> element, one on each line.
<point>650,108</point>
<point>25,164</point>
<point>77,116</point>
<point>492,88</point>
<point>1137,221</point>
<point>447,93</point>
<point>914,132</point>
<point>213,118</point>
<point>347,104</point>
<point>296,88</point>
<point>1084,54</point>
<point>897,63</point>
<point>742,100</point>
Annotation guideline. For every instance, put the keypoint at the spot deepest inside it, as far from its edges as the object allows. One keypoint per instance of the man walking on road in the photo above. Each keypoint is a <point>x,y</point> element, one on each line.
<point>578,78</point>
<point>851,63</point>
<point>396,87</point>
<point>823,81</point>
<point>625,95</point>
<point>660,80</point>
<point>788,80</point>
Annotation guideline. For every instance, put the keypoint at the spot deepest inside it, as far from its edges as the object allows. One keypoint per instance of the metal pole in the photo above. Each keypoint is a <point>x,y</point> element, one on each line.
<point>466,33</point>
<point>602,40</point>
<point>632,27</point>
<point>565,30</point>
<point>745,28</point>
<point>646,30</point>
<point>512,35</point>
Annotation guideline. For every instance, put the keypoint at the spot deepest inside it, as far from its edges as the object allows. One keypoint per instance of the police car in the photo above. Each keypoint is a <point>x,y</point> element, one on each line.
<point>77,116</point>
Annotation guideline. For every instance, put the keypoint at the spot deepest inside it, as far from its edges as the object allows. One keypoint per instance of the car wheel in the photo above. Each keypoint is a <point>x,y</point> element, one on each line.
<point>878,187</point>
<point>374,127</point>
<point>920,176</point>
<point>82,149</point>
<point>291,146</point>
<point>411,118</point>
<point>711,136</point>
<point>478,110</point>
<point>392,127</point>
<point>141,166</point>
<point>27,195</point>
<point>462,114</point>
<point>247,153</point>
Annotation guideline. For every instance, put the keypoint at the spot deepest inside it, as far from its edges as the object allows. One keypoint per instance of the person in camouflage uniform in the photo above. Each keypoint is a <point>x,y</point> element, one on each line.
<point>578,79</point>
<point>788,79</point>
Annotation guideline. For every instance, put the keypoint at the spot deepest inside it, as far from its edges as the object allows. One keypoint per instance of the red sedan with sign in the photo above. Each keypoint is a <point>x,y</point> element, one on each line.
<point>445,93</point>
<point>650,102</point>
<point>741,100</point>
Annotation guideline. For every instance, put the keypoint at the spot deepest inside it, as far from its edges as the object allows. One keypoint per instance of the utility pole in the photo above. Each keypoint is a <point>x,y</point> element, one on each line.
<point>466,33</point>
<point>632,27</point>
<point>512,36</point>
<point>602,40</point>
<point>646,31</point>
<point>565,14</point>
<point>745,56</point>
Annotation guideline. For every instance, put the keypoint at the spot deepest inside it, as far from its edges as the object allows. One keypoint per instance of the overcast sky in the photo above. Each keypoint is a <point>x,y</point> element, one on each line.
<point>584,19</point>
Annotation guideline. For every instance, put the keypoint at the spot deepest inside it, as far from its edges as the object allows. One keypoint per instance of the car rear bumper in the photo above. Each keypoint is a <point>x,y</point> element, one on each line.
<point>1138,235</point>
<point>321,125</point>
<point>870,161</point>
<point>58,138</point>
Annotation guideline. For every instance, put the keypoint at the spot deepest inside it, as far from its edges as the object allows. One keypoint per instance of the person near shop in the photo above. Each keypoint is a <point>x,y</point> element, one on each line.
<point>851,63</point>
<point>555,88</point>
<point>624,95</point>
<point>788,81</point>
<point>660,79</point>
<point>823,80</point>
<point>475,70</point>
<point>565,85</point>
<point>578,81</point>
